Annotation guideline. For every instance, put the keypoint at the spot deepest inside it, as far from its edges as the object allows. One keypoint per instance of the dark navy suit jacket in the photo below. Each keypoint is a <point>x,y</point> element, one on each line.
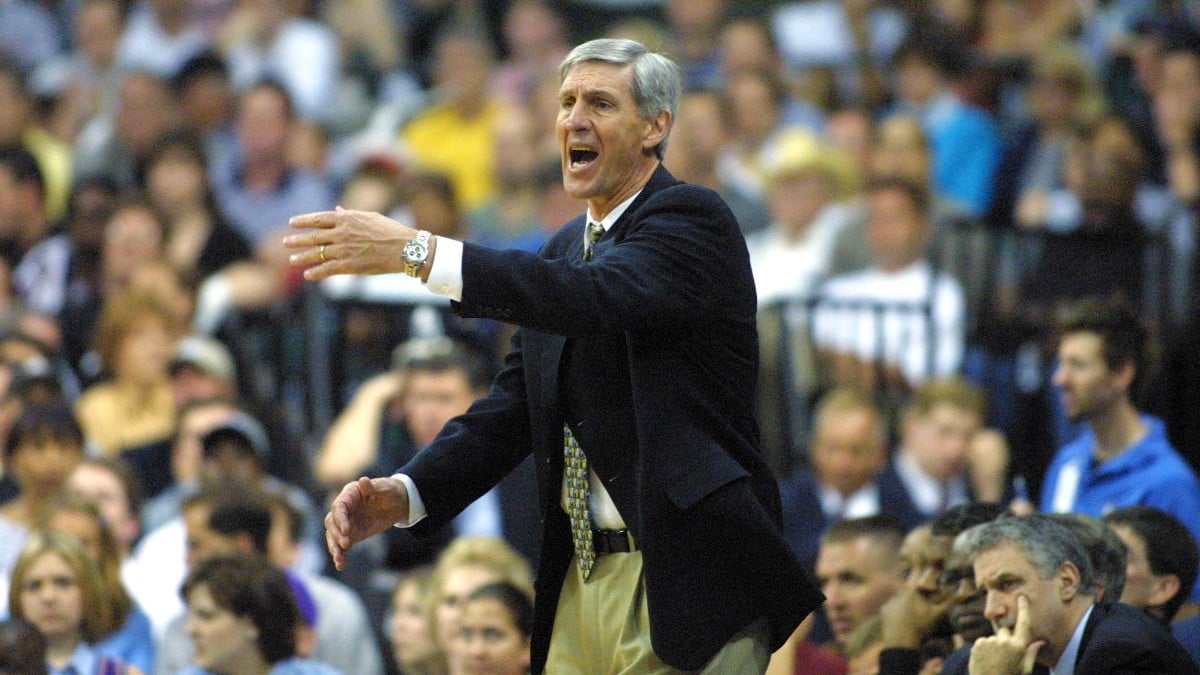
<point>663,406</point>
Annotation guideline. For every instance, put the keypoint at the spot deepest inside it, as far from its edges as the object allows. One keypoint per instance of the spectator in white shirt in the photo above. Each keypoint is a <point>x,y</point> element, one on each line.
<point>899,322</point>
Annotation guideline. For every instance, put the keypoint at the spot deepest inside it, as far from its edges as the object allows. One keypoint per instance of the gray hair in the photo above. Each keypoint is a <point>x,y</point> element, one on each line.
<point>1105,549</point>
<point>1047,544</point>
<point>657,80</point>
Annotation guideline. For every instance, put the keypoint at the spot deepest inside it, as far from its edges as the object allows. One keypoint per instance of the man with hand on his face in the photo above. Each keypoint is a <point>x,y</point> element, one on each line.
<point>1040,595</point>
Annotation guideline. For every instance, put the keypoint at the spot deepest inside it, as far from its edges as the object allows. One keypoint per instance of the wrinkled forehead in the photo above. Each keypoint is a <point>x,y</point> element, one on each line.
<point>598,75</point>
<point>1005,558</point>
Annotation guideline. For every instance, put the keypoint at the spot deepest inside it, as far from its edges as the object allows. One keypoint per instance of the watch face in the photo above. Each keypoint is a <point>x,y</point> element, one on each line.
<point>415,251</point>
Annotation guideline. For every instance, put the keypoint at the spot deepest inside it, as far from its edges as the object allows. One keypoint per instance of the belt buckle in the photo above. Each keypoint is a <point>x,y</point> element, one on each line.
<point>612,541</point>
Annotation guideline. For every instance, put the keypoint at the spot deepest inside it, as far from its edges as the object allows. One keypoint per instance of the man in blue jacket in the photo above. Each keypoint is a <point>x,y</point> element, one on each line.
<point>1123,457</point>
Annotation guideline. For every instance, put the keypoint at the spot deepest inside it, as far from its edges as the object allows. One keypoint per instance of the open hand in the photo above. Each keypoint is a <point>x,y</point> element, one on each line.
<point>362,510</point>
<point>347,242</point>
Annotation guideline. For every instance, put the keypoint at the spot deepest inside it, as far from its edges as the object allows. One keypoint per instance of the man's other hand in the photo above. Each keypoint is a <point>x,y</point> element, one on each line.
<point>364,508</point>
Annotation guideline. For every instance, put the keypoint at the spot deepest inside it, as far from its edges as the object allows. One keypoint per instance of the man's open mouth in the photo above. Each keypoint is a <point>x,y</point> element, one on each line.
<point>581,156</point>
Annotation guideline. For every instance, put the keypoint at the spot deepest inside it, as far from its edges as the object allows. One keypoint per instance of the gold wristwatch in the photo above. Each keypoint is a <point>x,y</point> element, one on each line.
<point>416,252</point>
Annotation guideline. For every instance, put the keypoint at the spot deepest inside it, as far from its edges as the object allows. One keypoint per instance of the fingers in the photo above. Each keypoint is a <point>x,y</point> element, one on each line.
<point>320,220</point>
<point>367,485</point>
<point>337,523</point>
<point>338,520</point>
<point>1021,625</point>
<point>1030,657</point>
<point>310,256</point>
<point>336,551</point>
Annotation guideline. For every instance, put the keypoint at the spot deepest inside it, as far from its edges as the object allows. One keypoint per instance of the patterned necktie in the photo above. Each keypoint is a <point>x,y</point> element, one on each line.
<point>576,467</point>
<point>594,232</point>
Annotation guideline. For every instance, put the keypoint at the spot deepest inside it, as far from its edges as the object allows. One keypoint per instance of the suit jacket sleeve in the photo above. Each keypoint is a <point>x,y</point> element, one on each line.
<point>660,272</point>
<point>475,450</point>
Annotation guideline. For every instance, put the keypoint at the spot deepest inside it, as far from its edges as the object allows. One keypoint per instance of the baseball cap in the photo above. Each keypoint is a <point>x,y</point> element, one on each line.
<point>421,349</point>
<point>208,355</point>
<point>240,428</point>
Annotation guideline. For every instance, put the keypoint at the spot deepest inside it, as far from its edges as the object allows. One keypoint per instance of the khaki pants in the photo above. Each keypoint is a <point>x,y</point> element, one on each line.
<point>603,627</point>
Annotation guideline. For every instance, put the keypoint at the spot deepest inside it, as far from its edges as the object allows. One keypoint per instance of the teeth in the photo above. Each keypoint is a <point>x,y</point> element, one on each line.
<point>581,154</point>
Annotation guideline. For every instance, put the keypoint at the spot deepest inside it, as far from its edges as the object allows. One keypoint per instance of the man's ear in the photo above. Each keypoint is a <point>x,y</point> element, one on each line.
<point>656,129</point>
<point>1068,578</point>
<point>1125,374</point>
<point>1163,588</point>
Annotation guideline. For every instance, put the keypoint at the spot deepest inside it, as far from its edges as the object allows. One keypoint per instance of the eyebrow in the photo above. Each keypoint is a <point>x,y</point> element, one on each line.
<point>1002,577</point>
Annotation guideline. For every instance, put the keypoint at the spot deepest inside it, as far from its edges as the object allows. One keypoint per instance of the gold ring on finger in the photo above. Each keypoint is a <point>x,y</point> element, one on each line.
<point>321,253</point>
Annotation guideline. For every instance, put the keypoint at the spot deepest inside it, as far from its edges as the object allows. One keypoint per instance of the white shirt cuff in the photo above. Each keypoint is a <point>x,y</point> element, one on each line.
<point>445,276</point>
<point>416,507</point>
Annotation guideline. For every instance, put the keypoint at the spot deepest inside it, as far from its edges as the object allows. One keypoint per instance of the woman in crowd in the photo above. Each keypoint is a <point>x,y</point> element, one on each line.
<point>198,241</point>
<point>243,619</point>
<point>131,639</point>
<point>135,340</point>
<point>497,621</point>
<point>413,647</point>
<point>59,590</point>
<point>466,565</point>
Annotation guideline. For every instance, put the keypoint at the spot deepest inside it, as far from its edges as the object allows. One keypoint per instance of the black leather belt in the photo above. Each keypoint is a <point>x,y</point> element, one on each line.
<point>612,541</point>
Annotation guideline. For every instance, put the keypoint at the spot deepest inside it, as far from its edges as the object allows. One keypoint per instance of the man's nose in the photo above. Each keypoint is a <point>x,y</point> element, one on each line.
<point>833,593</point>
<point>994,607</point>
<point>574,118</point>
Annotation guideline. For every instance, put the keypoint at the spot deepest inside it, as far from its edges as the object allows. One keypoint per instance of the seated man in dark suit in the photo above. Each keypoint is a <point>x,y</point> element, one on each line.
<point>1041,601</point>
<point>945,457</point>
<point>849,449</point>
<point>1105,550</point>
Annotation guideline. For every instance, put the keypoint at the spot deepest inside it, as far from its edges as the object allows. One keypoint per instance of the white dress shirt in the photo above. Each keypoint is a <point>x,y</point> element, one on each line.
<point>861,503</point>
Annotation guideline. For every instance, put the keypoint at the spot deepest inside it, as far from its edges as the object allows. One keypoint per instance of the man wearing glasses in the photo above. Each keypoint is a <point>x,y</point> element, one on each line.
<point>939,609</point>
